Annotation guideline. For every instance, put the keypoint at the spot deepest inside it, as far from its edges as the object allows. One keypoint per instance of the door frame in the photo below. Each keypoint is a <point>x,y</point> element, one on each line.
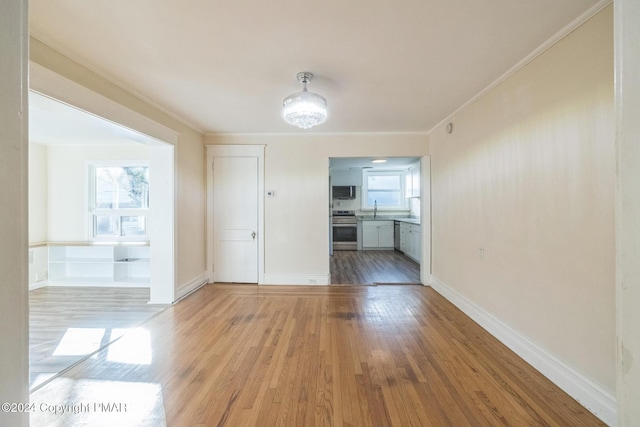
<point>217,151</point>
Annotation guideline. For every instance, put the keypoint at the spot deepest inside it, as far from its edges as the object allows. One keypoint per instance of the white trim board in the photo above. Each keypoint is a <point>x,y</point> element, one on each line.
<point>592,396</point>
<point>296,279</point>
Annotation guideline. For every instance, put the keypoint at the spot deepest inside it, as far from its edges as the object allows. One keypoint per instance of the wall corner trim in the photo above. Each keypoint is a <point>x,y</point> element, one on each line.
<point>598,400</point>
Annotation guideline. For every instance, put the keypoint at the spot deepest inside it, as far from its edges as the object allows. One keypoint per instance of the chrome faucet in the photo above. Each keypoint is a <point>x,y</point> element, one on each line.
<point>375,208</point>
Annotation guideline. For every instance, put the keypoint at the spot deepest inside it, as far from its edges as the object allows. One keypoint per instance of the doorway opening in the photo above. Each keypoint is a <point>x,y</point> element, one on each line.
<point>377,220</point>
<point>101,232</point>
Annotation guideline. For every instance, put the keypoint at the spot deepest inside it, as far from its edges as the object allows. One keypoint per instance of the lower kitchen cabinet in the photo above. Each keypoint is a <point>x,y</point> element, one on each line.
<point>377,234</point>
<point>411,241</point>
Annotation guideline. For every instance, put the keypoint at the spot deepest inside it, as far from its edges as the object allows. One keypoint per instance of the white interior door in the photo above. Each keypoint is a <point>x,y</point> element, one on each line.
<point>235,210</point>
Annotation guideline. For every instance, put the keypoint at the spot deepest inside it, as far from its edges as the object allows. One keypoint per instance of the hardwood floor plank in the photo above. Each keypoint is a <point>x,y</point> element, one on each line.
<point>232,355</point>
<point>65,313</point>
<point>372,267</point>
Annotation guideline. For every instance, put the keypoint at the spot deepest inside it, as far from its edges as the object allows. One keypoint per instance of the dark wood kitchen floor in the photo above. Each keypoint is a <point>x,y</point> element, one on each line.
<point>372,267</point>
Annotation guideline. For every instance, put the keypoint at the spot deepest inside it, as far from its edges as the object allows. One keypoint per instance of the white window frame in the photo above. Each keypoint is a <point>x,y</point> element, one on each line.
<point>377,172</point>
<point>93,211</point>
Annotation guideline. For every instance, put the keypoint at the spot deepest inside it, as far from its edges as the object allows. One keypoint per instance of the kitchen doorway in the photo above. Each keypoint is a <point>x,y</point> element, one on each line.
<point>388,201</point>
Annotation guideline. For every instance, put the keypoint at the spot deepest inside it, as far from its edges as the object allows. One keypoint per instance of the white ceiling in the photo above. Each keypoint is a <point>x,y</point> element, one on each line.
<point>226,65</point>
<point>52,122</point>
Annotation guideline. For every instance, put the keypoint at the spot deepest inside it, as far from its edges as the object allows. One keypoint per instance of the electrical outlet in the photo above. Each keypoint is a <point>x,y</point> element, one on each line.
<point>481,253</point>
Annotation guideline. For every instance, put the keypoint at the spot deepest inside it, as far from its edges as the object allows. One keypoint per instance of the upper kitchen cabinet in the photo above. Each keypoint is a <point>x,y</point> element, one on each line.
<point>346,177</point>
<point>412,181</point>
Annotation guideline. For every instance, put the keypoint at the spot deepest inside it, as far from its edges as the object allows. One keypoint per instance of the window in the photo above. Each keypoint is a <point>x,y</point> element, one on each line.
<point>384,189</point>
<point>119,201</point>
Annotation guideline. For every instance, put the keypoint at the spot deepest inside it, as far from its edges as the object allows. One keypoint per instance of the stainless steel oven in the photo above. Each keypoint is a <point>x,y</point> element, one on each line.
<point>345,231</point>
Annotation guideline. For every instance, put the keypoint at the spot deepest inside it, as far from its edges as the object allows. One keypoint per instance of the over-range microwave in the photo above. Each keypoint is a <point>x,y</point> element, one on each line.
<point>344,192</point>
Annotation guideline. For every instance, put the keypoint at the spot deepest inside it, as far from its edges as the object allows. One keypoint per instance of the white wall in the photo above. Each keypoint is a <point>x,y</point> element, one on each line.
<point>297,168</point>
<point>528,175</point>
<point>37,193</point>
<point>67,219</point>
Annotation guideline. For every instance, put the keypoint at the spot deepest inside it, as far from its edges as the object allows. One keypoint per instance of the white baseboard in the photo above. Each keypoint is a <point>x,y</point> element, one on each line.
<point>191,286</point>
<point>296,279</point>
<point>592,396</point>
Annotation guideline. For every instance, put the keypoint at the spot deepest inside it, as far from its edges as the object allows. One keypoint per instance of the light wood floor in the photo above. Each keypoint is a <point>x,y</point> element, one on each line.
<point>68,323</point>
<point>247,355</point>
<point>372,267</point>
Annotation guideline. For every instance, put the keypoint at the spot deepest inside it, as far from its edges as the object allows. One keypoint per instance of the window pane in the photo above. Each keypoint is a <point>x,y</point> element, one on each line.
<point>122,187</point>
<point>383,182</point>
<point>133,226</point>
<point>105,225</point>
<point>384,198</point>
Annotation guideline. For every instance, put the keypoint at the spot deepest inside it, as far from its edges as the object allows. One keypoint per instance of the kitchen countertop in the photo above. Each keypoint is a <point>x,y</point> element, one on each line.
<point>388,218</point>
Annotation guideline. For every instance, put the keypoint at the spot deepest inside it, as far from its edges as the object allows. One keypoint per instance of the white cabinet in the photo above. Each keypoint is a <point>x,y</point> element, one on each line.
<point>99,265</point>
<point>404,237</point>
<point>416,244</point>
<point>346,177</point>
<point>369,235</point>
<point>411,240</point>
<point>377,234</point>
<point>385,235</point>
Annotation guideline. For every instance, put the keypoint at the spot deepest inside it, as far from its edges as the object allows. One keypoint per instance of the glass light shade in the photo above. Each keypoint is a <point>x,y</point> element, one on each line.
<point>304,109</point>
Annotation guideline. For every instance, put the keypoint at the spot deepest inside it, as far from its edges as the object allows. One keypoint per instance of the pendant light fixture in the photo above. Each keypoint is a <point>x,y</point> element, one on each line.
<point>304,109</point>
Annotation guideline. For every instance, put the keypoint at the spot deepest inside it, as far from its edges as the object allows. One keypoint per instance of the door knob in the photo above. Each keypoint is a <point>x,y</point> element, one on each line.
<point>253,235</point>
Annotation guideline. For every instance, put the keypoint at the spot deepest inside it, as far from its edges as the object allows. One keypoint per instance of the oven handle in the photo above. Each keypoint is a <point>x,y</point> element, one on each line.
<point>345,225</point>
